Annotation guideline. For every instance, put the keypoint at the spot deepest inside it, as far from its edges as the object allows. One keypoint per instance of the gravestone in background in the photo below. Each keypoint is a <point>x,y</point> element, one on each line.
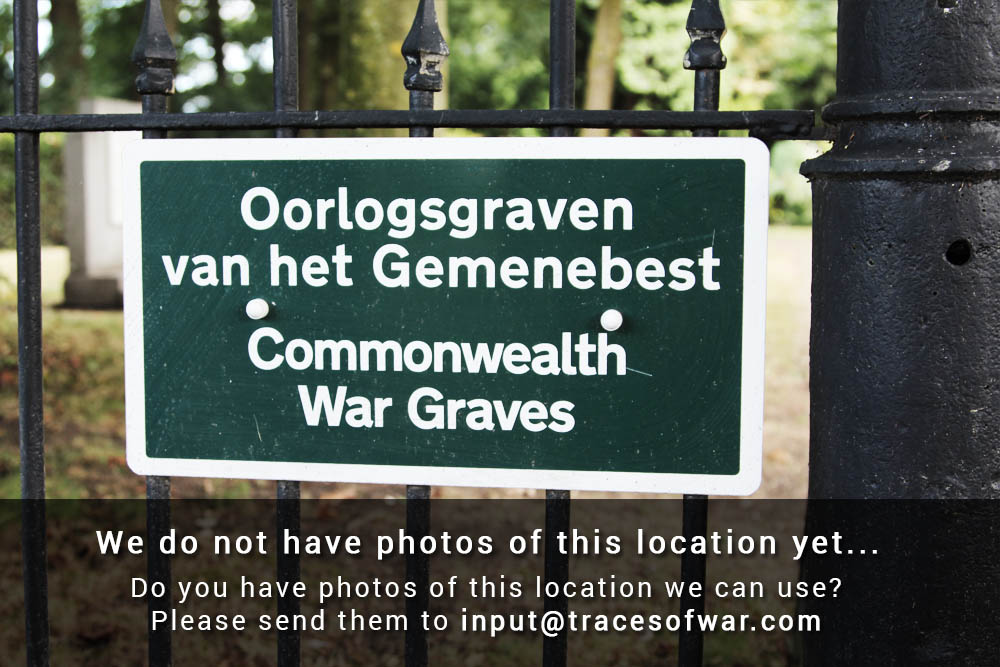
<point>94,213</point>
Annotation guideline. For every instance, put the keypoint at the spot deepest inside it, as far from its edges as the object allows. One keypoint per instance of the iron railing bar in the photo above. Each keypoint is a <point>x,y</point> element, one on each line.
<point>31,433</point>
<point>695,523</point>
<point>562,89</point>
<point>418,506</point>
<point>557,520</point>
<point>289,569</point>
<point>285,47</point>
<point>158,569</point>
<point>157,497</point>
<point>790,124</point>
<point>705,26</point>
<point>285,41</point>
<point>418,524</point>
<point>423,50</point>
<point>562,60</point>
<point>155,56</point>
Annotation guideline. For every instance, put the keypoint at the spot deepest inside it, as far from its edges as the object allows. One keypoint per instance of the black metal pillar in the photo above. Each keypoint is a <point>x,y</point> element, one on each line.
<point>562,95</point>
<point>155,57</point>
<point>424,51</point>
<point>29,339</point>
<point>706,27</point>
<point>905,377</point>
<point>904,350</point>
<point>285,31</point>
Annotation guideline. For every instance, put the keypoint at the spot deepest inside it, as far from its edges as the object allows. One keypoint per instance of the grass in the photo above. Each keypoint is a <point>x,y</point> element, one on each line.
<point>84,394</point>
<point>786,363</point>
<point>55,263</point>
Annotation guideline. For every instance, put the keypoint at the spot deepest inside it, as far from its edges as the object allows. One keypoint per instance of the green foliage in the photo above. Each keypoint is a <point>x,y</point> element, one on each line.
<point>499,55</point>
<point>791,194</point>
<point>84,404</point>
<point>650,75</point>
<point>109,35</point>
<point>244,87</point>
<point>781,55</point>
<point>110,32</point>
<point>50,150</point>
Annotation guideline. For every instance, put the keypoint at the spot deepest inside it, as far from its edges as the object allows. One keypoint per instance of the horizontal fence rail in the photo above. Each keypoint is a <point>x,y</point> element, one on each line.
<point>780,124</point>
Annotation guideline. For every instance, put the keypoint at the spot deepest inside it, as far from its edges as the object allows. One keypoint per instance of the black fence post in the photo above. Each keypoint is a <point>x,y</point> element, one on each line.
<point>29,338</point>
<point>904,347</point>
<point>288,519</point>
<point>284,46</point>
<point>562,95</point>
<point>424,50</point>
<point>904,344</point>
<point>706,27</point>
<point>154,55</point>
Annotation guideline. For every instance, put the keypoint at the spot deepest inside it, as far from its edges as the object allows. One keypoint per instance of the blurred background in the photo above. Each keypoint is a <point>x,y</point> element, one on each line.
<point>781,55</point>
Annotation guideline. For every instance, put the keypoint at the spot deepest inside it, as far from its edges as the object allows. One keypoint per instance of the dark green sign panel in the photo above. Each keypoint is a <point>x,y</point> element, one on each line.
<point>551,313</point>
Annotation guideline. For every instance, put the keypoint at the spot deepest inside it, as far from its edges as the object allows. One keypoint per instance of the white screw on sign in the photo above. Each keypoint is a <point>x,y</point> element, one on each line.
<point>257,309</point>
<point>611,320</point>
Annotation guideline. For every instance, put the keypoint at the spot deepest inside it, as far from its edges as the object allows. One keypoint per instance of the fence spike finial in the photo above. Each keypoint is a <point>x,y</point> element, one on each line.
<point>424,49</point>
<point>154,53</point>
<point>706,27</point>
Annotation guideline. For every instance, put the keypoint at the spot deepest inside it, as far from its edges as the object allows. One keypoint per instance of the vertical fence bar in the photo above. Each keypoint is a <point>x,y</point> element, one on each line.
<point>158,568</point>
<point>562,59</point>
<point>705,27</point>
<point>285,47</point>
<point>418,524</point>
<point>155,56</point>
<point>29,338</point>
<point>424,50</point>
<point>289,569</point>
<point>695,522</point>
<point>562,87</point>
<point>555,649</point>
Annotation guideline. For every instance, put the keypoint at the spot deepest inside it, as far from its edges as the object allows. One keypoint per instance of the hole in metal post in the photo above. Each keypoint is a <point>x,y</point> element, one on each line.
<point>959,252</point>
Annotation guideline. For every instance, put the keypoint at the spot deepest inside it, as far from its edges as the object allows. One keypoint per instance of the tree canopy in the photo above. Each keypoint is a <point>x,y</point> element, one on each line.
<point>781,52</point>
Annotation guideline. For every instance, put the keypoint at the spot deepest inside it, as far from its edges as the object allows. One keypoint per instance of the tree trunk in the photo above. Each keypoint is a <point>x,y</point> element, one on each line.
<point>169,8</point>
<point>65,57</point>
<point>214,29</point>
<point>601,61</point>
<point>349,55</point>
<point>371,67</point>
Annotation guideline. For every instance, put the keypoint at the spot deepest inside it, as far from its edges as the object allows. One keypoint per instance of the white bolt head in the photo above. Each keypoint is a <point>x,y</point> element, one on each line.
<point>257,309</point>
<point>611,320</point>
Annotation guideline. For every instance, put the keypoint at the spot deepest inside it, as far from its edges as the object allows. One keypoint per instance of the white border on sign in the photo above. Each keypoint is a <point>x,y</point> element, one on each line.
<point>751,151</point>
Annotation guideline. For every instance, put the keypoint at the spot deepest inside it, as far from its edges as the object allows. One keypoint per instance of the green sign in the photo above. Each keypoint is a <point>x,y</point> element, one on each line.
<point>554,313</point>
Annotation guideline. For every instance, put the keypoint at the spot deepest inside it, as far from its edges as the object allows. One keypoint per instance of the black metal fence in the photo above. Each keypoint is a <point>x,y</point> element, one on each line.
<point>424,49</point>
